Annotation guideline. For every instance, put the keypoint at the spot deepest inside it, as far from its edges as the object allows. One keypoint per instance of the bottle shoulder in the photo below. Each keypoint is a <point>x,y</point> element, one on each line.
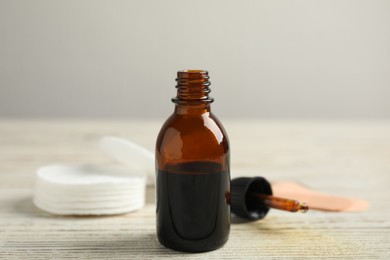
<point>195,125</point>
<point>192,136</point>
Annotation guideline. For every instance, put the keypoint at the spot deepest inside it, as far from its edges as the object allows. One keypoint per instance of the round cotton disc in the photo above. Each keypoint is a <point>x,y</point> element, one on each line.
<point>85,211</point>
<point>88,174</point>
<point>130,154</point>
<point>87,204</point>
<point>89,189</point>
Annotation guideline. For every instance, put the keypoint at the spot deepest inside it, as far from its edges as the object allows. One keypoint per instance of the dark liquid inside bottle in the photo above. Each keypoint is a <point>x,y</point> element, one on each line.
<point>193,213</point>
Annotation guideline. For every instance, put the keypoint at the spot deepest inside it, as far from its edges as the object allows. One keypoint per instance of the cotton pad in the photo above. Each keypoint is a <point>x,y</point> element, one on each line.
<point>86,211</point>
<point>89,189</point>
<point>116,203</point>
<point>130,154</point>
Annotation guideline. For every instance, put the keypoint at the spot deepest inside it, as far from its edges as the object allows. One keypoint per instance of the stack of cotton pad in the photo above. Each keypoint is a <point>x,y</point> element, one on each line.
<point>95,189</point>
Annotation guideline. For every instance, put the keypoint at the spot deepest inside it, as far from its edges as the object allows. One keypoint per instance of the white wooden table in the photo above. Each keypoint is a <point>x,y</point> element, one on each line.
<point>350,158</point>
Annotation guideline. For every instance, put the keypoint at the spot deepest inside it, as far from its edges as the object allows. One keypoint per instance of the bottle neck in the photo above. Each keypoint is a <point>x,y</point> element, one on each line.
<point>192,92</point>
<point>193,109</point>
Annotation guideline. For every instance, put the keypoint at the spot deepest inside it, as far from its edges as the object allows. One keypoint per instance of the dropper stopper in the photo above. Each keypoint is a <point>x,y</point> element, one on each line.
<point>242,203</point>
<point>251,198</point>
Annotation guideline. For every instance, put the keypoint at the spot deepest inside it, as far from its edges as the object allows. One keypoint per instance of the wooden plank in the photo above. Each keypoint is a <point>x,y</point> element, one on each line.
<point>350,158</point>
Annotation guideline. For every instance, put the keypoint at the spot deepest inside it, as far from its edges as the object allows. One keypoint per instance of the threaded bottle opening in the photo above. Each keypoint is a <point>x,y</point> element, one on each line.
<point>193,86</point>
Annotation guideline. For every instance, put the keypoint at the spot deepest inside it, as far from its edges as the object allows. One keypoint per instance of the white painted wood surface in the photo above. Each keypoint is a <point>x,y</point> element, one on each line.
<point>350,158</point>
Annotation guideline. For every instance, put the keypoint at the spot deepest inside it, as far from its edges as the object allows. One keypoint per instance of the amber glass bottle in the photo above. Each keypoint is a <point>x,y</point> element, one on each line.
<point>192,170</point>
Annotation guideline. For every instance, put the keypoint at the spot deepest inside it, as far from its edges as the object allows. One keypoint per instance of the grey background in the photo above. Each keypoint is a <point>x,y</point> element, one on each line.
<point>321,59</point>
